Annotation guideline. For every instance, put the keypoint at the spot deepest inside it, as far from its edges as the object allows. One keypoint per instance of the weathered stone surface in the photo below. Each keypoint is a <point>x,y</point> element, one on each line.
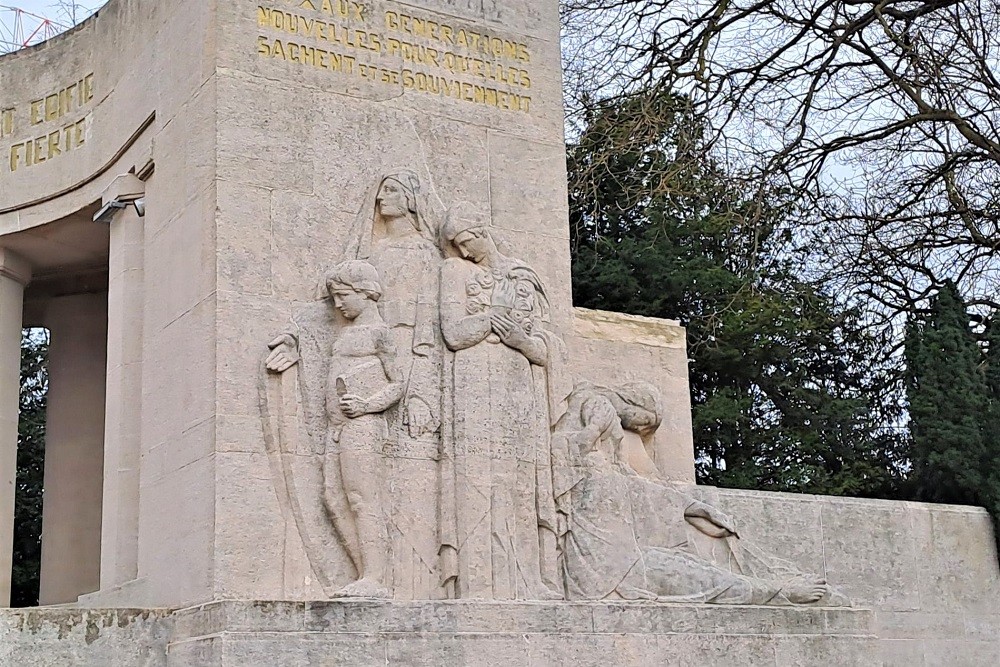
<point>934,630</point>
<point>369,633</point>
<point>615,349</point>
<point>438,421</point>
<point>54,637</point>
<point>928,571</point>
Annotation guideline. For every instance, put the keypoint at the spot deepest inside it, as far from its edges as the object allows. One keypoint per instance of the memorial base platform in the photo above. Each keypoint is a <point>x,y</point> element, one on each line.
<point>368,633</point>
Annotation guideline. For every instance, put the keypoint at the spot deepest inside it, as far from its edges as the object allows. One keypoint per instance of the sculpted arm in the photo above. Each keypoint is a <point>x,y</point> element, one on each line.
<point>513,335</point>
<point>460,329</point>
<point>536,350</point>
<point>285,351</point>
<point>698,510</point>
<point>391,395</point>
<point>355,406</point>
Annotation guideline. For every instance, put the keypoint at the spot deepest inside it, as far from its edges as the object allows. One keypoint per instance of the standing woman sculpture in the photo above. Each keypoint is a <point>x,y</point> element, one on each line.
<point>400,242</point>
<point>395,234</point>
<point>497,502</point>
<point>363,383</point>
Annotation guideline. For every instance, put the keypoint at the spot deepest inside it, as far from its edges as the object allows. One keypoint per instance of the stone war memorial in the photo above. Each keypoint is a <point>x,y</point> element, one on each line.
<point>319,394</point>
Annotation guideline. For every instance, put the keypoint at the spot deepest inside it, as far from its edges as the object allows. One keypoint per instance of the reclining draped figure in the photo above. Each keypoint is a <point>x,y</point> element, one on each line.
<point>611,515</point>
<point>425,442</point>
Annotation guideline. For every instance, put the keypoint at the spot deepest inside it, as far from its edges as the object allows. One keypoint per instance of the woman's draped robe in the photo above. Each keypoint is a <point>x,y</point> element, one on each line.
<point>498,512</point>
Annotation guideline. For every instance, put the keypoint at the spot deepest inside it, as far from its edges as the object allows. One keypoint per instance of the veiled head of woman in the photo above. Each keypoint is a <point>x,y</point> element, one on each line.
<point>397,197</point>
<point>641,408</point>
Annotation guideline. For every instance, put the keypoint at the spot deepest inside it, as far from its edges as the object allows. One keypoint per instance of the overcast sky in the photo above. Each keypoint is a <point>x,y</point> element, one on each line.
<point>50,8</point>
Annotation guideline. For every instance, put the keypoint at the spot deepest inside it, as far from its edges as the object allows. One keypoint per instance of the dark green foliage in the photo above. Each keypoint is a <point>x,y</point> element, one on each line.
<point>952,387</point>
<point>30,469</point>
<point>991,432</point>
<point>781,385</point>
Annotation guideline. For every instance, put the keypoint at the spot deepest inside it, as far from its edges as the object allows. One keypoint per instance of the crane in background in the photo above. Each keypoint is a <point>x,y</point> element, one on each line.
<point>20,28</point>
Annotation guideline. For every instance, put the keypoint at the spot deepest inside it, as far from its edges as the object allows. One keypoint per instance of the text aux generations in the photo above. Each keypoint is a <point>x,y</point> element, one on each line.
<point>436,58</point>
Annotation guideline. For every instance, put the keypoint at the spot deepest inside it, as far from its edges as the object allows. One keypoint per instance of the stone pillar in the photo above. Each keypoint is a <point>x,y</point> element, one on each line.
<point>74,448</point>
<point>14,275</point>
<point>123,419</point>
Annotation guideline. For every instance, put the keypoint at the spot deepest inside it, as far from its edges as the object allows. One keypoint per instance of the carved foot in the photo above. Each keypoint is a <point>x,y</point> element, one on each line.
<point>364,588</point>
<point>807,591</point>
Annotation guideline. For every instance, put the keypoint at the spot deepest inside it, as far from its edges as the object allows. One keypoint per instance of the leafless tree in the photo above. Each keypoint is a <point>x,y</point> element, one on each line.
<point>885,115</point>
<point>71,12</point>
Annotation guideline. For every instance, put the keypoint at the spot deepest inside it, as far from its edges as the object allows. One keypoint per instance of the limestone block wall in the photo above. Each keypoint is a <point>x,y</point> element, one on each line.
<point>133,90</point>
<point>314,106</point>
<point>84,638</point>
<point>259,129</point>
<point>929,572</point>
<point>613,349</point>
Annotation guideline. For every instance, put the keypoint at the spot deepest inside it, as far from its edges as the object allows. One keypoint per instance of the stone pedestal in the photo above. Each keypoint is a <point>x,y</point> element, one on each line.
<point>442,634</point>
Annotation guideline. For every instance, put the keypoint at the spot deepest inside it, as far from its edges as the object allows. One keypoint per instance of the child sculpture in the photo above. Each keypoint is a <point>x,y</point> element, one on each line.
<point>363,383</point>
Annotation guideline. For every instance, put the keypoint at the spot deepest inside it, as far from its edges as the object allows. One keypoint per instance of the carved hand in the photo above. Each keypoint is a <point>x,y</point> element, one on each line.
<point>284,354</point>
<point>510,332</point>
<point>586,440</point>
<point>419,418</point>
<point>710,521</point>
<point>354,406</point>
<point>722,521</point>
<point>601,415</point>
<point>725,522</point>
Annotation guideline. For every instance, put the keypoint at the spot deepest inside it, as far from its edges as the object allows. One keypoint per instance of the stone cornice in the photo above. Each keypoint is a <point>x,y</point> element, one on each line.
<point>14,266</point>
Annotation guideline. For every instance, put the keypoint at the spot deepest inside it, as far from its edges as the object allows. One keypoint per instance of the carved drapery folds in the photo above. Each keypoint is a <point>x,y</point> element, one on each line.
<point>426,441</point>
<point>628,534</point>
<point>497,525</point>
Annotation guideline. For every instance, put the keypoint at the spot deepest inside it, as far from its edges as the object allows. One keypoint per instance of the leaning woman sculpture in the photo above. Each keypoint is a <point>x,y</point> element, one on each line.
<point>497,503</point>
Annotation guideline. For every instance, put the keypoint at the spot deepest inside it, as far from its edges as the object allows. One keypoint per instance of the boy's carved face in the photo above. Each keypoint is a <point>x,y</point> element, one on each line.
<point>350,303</point>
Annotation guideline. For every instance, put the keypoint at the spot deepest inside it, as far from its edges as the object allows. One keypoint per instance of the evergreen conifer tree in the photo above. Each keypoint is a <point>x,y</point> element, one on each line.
<point>991,432</point>
<point>30,470</point>
<point>949,403</point>
<point>781,389</point>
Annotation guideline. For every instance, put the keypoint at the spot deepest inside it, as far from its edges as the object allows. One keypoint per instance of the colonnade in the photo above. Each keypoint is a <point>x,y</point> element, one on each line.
<point>90,517</point>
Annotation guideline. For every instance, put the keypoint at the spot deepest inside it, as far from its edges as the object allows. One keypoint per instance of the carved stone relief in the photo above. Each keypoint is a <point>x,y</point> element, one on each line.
<point>502,371</point>
<point>426,442</point>
<point>627,533</point>
<point>395,235</point>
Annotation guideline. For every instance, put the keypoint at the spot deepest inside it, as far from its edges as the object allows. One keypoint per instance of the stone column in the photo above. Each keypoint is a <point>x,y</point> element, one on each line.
<point>74,444</point>
<point>14,275</point>
<point>123,420</point>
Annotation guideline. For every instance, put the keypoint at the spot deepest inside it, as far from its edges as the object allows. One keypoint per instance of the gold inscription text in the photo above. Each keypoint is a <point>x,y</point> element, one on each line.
<point>6,123</point>
<point>62,102</point>
<point>48,146</point>
<point>406,52</point>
